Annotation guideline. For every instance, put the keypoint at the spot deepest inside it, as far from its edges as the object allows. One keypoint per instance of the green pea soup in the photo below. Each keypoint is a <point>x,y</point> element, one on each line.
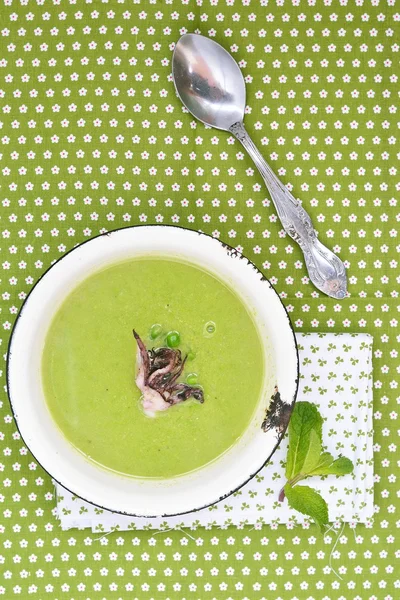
<point>89,359</point>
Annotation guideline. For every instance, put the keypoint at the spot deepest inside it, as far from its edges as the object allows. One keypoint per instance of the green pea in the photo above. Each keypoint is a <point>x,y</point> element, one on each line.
<point>155,331</point>
<point>191,355</point>
<point>209,329</point>
<point>173,339</point>
<point>191,378</point>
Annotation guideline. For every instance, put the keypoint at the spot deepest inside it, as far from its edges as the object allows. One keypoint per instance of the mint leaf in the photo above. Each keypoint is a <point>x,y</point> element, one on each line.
<point>340,466</point>
<point>305,459</point>
<point>308,502</point>
<point>305,419</point>
<point>324,459</point>
<point>312,457</point>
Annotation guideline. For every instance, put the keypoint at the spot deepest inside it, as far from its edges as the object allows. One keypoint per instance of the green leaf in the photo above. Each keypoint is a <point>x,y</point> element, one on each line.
<point>308,502</point>
<point>312,457</point>
<point>324,460</point>
<point>305,458</point>
<point>340,466</point>
<point>305,419</point>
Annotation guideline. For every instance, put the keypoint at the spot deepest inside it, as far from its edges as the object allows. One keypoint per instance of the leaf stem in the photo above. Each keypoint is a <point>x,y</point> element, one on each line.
<point>291,482</point>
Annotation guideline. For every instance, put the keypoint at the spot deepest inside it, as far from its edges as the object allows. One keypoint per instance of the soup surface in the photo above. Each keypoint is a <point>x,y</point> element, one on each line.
<point>89,361</point>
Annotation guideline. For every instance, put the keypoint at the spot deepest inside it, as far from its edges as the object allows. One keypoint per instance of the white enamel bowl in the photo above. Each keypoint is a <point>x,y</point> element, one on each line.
<point>148,497</point>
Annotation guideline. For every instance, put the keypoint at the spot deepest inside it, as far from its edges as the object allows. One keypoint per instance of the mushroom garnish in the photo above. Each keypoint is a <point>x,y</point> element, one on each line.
<point>158,371</point>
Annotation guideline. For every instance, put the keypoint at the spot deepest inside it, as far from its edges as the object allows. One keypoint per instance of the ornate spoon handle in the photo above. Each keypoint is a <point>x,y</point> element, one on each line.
<point>326,270</point>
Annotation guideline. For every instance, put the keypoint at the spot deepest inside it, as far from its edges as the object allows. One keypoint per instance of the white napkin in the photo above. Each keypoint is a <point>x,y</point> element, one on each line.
<point>336,375</point>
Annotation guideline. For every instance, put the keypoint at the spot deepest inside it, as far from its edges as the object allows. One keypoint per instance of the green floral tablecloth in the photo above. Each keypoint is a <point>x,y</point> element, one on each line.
<point>94,138</point>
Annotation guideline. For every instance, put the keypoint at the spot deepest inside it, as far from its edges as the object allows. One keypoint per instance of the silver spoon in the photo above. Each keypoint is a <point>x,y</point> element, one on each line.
<point>211,86</point>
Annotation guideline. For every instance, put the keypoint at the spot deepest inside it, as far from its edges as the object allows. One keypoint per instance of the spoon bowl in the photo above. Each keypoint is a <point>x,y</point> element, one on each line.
<point>208,81</point>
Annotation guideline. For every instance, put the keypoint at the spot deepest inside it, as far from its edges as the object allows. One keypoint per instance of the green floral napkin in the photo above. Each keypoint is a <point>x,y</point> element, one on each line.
<point>336,374</point>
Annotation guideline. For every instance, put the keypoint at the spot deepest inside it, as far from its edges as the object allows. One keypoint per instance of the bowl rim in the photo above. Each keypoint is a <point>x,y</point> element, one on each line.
<point>263,278</point>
